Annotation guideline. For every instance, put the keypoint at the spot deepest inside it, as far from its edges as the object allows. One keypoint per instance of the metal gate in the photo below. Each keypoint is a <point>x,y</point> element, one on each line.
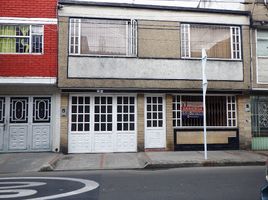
<point>25,123</point>
<point>259,123</point>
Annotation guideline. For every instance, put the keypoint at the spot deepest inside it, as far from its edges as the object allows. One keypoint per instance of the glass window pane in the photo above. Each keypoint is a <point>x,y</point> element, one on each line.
<point>262,47</point>
<point>215,39</point>
<point>95,39</point>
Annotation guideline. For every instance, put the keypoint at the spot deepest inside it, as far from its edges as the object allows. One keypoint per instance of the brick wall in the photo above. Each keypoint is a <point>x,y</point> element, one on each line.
<point>44,65</point>
<point>29,8</point>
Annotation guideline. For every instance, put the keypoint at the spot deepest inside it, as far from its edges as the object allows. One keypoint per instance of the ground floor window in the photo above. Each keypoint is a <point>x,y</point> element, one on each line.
<point>188,111</point>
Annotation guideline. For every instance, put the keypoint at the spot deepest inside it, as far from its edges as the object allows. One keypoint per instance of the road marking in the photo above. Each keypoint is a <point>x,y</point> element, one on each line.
<point>18,193</point>
<point>88,186</point>
<point>21,184</point>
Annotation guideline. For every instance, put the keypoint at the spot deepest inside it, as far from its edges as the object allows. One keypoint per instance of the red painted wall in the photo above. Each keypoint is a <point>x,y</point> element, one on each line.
<point>28,8</point>
<point>42,65</point>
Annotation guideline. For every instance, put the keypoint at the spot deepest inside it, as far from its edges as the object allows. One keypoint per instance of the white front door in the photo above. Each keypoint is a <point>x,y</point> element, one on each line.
<point>155,122</point>
<point>25,123</point>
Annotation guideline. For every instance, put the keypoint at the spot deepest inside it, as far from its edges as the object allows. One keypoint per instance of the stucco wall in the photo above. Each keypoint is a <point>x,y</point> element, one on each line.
<point>158,39</point>
<point>133,68</point>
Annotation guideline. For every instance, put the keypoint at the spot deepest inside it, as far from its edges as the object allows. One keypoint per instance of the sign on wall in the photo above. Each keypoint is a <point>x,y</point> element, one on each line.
<point>192,109</point>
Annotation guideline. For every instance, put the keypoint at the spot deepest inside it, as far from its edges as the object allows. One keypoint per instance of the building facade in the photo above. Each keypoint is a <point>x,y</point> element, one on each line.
<point>130,77</point>
<point>29,98</point>
<point>259,76</point>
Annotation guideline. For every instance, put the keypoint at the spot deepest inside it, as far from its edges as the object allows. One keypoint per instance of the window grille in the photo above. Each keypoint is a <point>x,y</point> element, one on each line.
<point>185,40</point>
<point>21,38</point>
<point>231,110</point>
<point>188,111</point>
<point>235,42</point>
<point>103,37</point>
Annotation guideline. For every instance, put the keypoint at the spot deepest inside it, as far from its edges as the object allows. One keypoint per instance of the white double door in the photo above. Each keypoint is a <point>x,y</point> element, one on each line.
<point>155,121</point>
<point>102,123</point>
<point>25,123</point>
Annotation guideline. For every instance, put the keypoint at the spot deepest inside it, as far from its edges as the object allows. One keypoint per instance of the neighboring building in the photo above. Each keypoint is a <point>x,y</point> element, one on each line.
<point>130,77</point>
<point>29,98</point>
<point>259,41</point>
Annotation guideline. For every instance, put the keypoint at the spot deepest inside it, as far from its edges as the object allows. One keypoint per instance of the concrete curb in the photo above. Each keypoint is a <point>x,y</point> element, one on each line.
<point>202,164</point>
<point>50,166</point>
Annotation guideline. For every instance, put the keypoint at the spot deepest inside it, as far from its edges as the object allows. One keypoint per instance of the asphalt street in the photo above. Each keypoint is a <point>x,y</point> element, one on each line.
<point>215,183</point>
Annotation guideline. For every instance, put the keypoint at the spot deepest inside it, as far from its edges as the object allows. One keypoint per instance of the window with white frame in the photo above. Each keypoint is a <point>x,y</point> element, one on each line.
<point>262,56</point>
<point>102,37</point>
<point>188,111</point>
<point>21,38</point>
<point>220,42</point>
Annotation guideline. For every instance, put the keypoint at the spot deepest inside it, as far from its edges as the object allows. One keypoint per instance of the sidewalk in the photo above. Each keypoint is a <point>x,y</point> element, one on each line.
<point>26,162</point>
<point>151,160</point>
<point>33,162</point>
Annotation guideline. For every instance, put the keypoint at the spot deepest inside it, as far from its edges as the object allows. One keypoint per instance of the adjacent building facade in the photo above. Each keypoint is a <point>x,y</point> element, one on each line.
<point>130,77</point>
<point>29,98</point>
<point>259,78</point>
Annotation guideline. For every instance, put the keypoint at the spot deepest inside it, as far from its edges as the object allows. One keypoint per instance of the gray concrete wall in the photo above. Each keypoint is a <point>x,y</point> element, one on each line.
<point>133,68</point>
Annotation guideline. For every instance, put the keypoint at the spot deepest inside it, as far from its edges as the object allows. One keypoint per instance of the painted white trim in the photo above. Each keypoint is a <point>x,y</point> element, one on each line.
<point>21,20</point>
<point>147,14</point>
<point>260,89</point>
<point>257,61</point>
<point>28,80</point>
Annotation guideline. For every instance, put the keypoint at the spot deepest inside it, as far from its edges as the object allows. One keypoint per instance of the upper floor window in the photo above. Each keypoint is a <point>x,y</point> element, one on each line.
<point>220,42</point>
<point>21,38</point>
<point>262,43</point>
<point>103,37</point>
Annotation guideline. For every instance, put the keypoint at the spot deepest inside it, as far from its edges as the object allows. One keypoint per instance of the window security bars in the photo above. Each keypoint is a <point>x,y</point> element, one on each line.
<point>102,37</point>
<point>259,116</point>
<point>231,111</point>
<point>235,42</point>
<point>21,38</point>
<point>220,42</point>
<point>188,111</point>
<point>19,110</point>
<point>41,109</point>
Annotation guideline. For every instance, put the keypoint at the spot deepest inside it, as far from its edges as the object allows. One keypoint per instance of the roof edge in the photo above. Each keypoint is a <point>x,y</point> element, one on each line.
<point>154,7</point>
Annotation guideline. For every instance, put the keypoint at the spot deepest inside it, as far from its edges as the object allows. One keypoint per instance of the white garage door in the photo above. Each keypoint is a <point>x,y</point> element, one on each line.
<point>101,123</point>
<point>25,123</point>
